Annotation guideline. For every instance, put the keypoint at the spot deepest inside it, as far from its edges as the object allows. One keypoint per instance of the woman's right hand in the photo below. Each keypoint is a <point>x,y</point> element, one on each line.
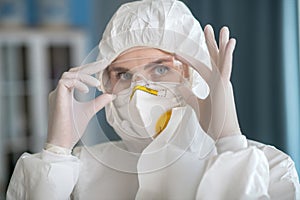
<point>69,118</point>
<point>220,116</point>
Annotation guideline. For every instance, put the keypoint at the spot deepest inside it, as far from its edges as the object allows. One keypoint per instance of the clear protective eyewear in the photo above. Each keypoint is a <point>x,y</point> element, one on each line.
<point>120,75</point>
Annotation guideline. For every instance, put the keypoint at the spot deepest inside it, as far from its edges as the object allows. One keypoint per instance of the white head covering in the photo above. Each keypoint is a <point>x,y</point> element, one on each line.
<point>164,24</point>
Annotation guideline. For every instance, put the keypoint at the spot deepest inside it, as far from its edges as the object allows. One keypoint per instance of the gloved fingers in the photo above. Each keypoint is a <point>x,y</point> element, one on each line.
<point>211,42</point>
<point>102,100</point>
<point>97,104</point>
<point>85,78</point>
<point>223,40</point>
<point>74,83</point>
<point>52,94</point>
<point>227,61</point>
<point>90,68</point>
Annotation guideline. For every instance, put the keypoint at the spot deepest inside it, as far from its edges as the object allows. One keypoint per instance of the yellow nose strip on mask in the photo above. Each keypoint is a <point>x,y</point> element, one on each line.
<point>162,122</point>
<point>144,89</point>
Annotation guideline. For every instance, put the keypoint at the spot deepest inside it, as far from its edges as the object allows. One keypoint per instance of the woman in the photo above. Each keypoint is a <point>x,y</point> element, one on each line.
<point>167,93</point>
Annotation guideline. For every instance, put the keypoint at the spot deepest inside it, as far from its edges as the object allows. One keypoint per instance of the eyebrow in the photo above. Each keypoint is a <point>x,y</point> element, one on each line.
<point>123,69</point>
<point>117,69</point>
<point>159,61</point>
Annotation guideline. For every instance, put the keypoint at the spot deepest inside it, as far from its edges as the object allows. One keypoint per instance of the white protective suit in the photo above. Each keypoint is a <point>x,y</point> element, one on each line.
<point>174,165</point>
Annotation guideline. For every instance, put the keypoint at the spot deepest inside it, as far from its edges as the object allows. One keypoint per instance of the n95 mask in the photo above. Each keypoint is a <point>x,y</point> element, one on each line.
<point>146,107</point>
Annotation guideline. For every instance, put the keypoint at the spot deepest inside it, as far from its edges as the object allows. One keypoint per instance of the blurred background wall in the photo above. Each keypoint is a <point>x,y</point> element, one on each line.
<point>39,39</point>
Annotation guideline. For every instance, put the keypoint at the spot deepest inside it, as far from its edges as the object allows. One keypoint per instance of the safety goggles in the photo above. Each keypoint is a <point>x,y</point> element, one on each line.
<point>120,75</point>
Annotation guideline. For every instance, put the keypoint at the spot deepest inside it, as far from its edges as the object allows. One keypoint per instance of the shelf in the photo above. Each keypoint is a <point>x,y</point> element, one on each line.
<point>31,62</point>
<point>52,36</point>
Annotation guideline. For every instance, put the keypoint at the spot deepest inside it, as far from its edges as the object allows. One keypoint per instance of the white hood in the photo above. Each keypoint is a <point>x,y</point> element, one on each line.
<point>164,24</point>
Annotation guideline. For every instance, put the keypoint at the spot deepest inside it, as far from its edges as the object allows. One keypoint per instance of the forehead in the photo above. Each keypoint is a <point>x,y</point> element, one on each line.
<point>138,56</point>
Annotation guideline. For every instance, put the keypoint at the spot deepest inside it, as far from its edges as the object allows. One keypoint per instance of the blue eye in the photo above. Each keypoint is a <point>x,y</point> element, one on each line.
<point>161,69</point>
<point>125,76</point>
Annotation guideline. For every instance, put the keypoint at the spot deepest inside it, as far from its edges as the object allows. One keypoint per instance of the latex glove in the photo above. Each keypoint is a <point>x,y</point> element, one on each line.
<point>68,118</point>
<point>219,108</point>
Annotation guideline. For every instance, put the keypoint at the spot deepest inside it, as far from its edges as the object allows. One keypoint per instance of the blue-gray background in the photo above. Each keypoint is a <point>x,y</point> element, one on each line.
<point>266,61</point>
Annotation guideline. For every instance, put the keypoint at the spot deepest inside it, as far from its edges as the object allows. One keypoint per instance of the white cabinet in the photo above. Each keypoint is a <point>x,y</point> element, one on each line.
<point>31,62</point>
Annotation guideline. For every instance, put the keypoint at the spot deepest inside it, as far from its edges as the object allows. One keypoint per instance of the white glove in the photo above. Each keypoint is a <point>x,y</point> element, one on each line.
<point>219,108</point>
<point>68,118</point>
